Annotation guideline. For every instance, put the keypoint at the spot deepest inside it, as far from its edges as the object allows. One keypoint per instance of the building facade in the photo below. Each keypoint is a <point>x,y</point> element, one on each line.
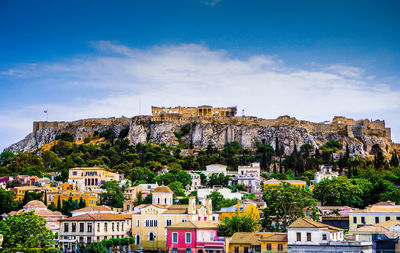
<point>250,177</point>
<point>194,237</point>
<point>81,230</point>
<point>374,214</point>
<point>89,178</point>
<point>149,221</point>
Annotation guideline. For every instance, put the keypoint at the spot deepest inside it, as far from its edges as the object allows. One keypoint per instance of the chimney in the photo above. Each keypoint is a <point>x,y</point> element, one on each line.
<point>192,205</point>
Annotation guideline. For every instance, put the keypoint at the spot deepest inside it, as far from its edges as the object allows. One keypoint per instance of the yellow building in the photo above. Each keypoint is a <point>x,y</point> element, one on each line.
<point>241,209</point>
<point>92,177</point>
<point>90,198</point>
<point>20,191</point>
<point>130,195</point>
<point>297,183</point>
<point>274,242</point>
<point>244,242</point>
<point>149,221</point>
<point>374,214</point>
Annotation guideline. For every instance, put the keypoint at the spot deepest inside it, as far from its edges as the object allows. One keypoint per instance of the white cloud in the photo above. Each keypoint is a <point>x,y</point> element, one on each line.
<point>210,2</point>
<point>193,74</point>
<point>347,71</point>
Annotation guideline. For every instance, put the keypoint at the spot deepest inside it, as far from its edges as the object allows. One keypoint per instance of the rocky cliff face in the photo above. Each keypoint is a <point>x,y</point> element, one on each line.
<point>218,131</point>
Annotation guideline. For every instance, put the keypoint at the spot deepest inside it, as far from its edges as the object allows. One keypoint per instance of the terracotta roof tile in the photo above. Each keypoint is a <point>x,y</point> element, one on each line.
<point>251,238</point>
<point>93,208</point>
<point>95,216</point>
<point>162,189</point>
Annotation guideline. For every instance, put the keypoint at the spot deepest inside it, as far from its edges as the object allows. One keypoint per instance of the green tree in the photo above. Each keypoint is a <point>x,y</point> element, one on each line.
<point>238,223</point>
<point>65,136</point>
<point>82,203</point>
<point>394,161</point>
<point>69,206</point>
<point>113,196</point>
<point>50,159</point>
<point>339,191</point>
<point>177,188</point>
<point>96,247</point>
<point>218,179</point>
<point>25,230</point>
<point>285,204</point>
<point>264,154</point>
<point>139,173</point>
<point>7,203</point>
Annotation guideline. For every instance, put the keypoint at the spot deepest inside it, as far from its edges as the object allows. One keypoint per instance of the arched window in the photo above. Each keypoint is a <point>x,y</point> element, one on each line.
<point>151,236</point>
<point>158,200</point>
<point>165,201</point>
<point>137,241</point>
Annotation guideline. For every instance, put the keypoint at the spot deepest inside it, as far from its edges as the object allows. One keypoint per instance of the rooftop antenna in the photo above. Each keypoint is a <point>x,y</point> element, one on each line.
<point>47,114</point>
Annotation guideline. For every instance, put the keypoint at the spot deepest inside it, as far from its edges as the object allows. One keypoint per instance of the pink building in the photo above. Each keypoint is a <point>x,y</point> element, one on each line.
<point>194,237</point>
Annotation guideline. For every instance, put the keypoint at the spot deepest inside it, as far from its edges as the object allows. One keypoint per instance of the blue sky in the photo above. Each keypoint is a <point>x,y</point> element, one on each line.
<point>308,59</point>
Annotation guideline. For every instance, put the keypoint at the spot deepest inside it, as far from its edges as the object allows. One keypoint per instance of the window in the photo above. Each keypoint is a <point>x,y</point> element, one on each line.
<point>387,218</point>
<point>183,220</point>
<point>165,201</point>
<point>89,239</point>
<point>81,239</point>
<point>246,249</point>
<point>105,227</point>
<point>168,222</point>
<point>112,226</point>
<point>117,226</point>
<point>174,237</point>
<point>203,236</point>
<point>174,250</point>
<point>212,236</point>
<point>280,247</point>
<point>89,227</point>
<point>137,223</point>
<point>398,218</point>
<point>73,227</point>
<point>376,220</point>
<point>363,220</point>
<point>236,249</point>
<point>188,250</point>
<point>188,237</point>
<point>298,235</point>
<point>98,238</point>
<point>324,237</point>
<point>81,227</point>
<point>98,227</point>
<point>269,246</point>
<point>65,227</point>
<point>308,237</point>
<point>151,236</point>
<point>355,220</point>
<point>74,173</point>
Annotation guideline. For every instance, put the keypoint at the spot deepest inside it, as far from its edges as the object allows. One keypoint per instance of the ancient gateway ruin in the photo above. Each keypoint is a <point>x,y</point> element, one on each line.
<point>188,112</point>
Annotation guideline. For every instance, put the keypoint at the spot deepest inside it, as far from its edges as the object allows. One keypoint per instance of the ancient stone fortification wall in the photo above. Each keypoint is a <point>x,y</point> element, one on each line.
<point>37,125</point>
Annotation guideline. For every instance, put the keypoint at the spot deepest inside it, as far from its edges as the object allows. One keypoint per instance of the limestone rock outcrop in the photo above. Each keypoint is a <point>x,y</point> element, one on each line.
<point>362,136</point>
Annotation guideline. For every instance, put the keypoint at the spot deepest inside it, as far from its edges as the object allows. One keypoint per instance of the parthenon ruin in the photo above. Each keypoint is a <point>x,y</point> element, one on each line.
<point>204,110</point>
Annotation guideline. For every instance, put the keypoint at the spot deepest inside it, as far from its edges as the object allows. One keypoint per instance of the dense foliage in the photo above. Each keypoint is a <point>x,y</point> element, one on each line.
<point>238,223</point>
<point>286,203</point>
<point>25,230</point>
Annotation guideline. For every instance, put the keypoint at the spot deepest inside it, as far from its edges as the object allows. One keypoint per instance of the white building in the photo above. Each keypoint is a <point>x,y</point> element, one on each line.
<point>215,169</point>
<point>226,192</point>
<point>196,181</point>
<point>92,209</point>
<point>250,177</point>
<point>325,171</point>
<point>306,235</point>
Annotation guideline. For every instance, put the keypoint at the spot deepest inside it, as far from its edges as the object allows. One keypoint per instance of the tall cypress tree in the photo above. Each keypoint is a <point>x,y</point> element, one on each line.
<point>45,198</point>
<point>59,203</point>
<point>82,203</point>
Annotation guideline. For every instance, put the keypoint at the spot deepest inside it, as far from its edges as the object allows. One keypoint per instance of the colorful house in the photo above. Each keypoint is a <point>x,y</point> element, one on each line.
<point>241,209</point>
<point>297,183</point>
<point>274,242</point>
<point>20,191</point>
<point>90,198</point>
<point>245,242</point>
<point>374,214</point>
<point>150,221</point>
<point>194,236</point>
